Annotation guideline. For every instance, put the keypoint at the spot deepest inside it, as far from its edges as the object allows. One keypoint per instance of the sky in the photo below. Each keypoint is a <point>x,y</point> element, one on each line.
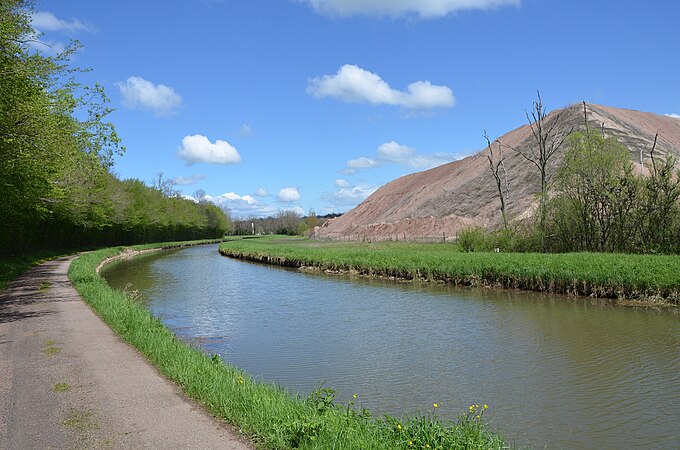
<point>270,105</point>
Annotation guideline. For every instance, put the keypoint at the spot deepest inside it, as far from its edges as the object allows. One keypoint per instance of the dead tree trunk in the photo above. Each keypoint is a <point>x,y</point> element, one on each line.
<point>495,164</point>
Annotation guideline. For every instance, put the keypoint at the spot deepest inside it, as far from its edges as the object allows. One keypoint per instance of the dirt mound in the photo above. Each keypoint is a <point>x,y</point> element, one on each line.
<point>448,198</point>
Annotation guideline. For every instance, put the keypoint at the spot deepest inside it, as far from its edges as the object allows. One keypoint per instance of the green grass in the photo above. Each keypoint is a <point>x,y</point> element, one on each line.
<point>61,387</point>
<point>624,278</point>
<point>271,416</point>
<point>50,348</point>
<point>12,268</point>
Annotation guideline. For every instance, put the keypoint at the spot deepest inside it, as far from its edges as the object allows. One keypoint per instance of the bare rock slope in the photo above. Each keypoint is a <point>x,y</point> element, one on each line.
<point>448,198</point>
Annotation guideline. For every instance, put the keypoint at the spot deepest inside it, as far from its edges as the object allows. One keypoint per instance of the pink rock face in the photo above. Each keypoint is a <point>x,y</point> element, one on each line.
<point>443,200</point>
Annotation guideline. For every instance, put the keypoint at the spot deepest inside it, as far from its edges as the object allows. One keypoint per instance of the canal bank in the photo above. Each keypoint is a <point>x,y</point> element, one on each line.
<point>69,382</point>
<point>622,279</point>
<point>539,361</point>
<point>272,416</point>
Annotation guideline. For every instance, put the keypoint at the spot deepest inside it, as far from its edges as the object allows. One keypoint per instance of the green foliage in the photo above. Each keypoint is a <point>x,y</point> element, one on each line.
<point>12,268</point>
<point>273,417</point>
<point>56,150</point>
<point>657,215</point>
<point>638,278</point>
<point>515,238</point>
<point>474,238</point>
<point>597,193</point>
<point>601,205</point>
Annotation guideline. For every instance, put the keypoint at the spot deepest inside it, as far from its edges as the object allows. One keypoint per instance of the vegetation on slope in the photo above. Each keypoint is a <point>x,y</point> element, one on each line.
<point>596,200</point>
<point>640,278</point>
<point>274,418</point>
<point>56,153</point>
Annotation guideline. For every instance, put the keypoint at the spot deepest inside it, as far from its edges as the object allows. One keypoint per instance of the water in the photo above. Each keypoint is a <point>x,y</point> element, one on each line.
<point>556,372</point>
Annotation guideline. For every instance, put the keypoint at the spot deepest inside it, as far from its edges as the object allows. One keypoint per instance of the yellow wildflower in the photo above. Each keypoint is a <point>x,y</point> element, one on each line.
<point>410,442</point>
<point>478,417</point>
<point>398,426</point>
<point>435,405</point>
<point>355,396</point>
<point>486,406</point>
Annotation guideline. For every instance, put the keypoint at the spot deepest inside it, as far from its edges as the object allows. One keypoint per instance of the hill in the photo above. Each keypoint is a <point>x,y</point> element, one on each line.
<point>462,193</point>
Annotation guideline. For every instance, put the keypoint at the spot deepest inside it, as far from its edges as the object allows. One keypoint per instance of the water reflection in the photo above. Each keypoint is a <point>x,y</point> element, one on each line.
<point>556,371</point>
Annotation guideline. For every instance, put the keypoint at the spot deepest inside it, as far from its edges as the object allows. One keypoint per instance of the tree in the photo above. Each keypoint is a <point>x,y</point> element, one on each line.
<point>199,195</point>
<point>56,153</point>
<point>311,221</point>
<point>495,164</point>
<point>547,141</point>
<point>164,185</point>
<point>658,216</point>
<point>288,222</point>
<point>597,193</point>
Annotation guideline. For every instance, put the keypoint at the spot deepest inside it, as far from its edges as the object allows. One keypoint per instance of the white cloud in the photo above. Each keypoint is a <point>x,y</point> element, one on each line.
<point>140,93</point>
<point>188,180</point>
<point>362,163</point>
<point>288,194</point>
<point>299,210</point>
<point>342,183</point>
<point>349,195</point>
<point>673,115</point>
<point>43,21</point>
<point>198,148</point>
<point>394,8</point>
<point>262,192</point>
<point>245,130</point>
<point>46,21</point>
<point>242,206</point>
<point>354,84</point>
<point>394,153</point>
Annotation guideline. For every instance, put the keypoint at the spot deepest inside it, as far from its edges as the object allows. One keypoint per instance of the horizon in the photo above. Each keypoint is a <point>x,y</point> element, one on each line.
<point>299,105</point>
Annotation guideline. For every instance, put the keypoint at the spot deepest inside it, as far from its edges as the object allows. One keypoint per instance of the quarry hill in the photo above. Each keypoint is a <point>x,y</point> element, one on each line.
<point>462,193</point>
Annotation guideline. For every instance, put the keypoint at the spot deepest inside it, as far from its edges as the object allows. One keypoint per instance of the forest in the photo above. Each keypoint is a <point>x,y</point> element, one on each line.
<point>57,147</point>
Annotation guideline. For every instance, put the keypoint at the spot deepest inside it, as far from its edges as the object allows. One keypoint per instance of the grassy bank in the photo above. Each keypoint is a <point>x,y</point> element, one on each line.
<point>273,417</point>
<point>628,279</point>
<point>12,268</point>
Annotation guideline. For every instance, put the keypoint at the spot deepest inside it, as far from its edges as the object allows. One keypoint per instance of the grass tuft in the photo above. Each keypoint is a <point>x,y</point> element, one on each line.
<point>61,387</point>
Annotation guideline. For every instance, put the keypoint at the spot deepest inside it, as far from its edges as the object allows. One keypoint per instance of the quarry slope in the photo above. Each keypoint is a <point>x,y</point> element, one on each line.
<point>443,200</point>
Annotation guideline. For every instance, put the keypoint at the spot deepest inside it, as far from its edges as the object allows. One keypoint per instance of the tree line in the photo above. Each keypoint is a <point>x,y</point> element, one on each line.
<point>285,222</point>
<point>595,201</point>
<point>56,155</point>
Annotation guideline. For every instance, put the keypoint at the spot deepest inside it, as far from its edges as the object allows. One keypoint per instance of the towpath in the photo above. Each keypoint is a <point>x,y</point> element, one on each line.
<point>67,381</point>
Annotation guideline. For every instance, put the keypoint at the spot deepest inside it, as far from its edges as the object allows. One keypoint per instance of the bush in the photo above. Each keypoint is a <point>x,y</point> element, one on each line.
<point>473,239</point>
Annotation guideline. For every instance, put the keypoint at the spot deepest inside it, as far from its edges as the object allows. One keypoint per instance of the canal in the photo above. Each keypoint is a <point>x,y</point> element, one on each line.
<point>555,371</point>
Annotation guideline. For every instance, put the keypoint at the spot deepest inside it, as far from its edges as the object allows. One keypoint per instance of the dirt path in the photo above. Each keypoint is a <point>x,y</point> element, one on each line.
<point>67,381</point>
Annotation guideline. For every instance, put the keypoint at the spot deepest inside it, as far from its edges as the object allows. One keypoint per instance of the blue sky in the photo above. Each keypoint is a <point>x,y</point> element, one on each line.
<point>301,104</point>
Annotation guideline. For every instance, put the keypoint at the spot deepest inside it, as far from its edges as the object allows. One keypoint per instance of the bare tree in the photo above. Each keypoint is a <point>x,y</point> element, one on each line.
<point>495,164</point>
<point>165,185</point>
<point>548,142</point>
<point>200,196</point>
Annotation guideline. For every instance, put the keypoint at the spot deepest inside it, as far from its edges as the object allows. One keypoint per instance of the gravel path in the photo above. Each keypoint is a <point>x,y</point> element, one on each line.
<point>67,381</point>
